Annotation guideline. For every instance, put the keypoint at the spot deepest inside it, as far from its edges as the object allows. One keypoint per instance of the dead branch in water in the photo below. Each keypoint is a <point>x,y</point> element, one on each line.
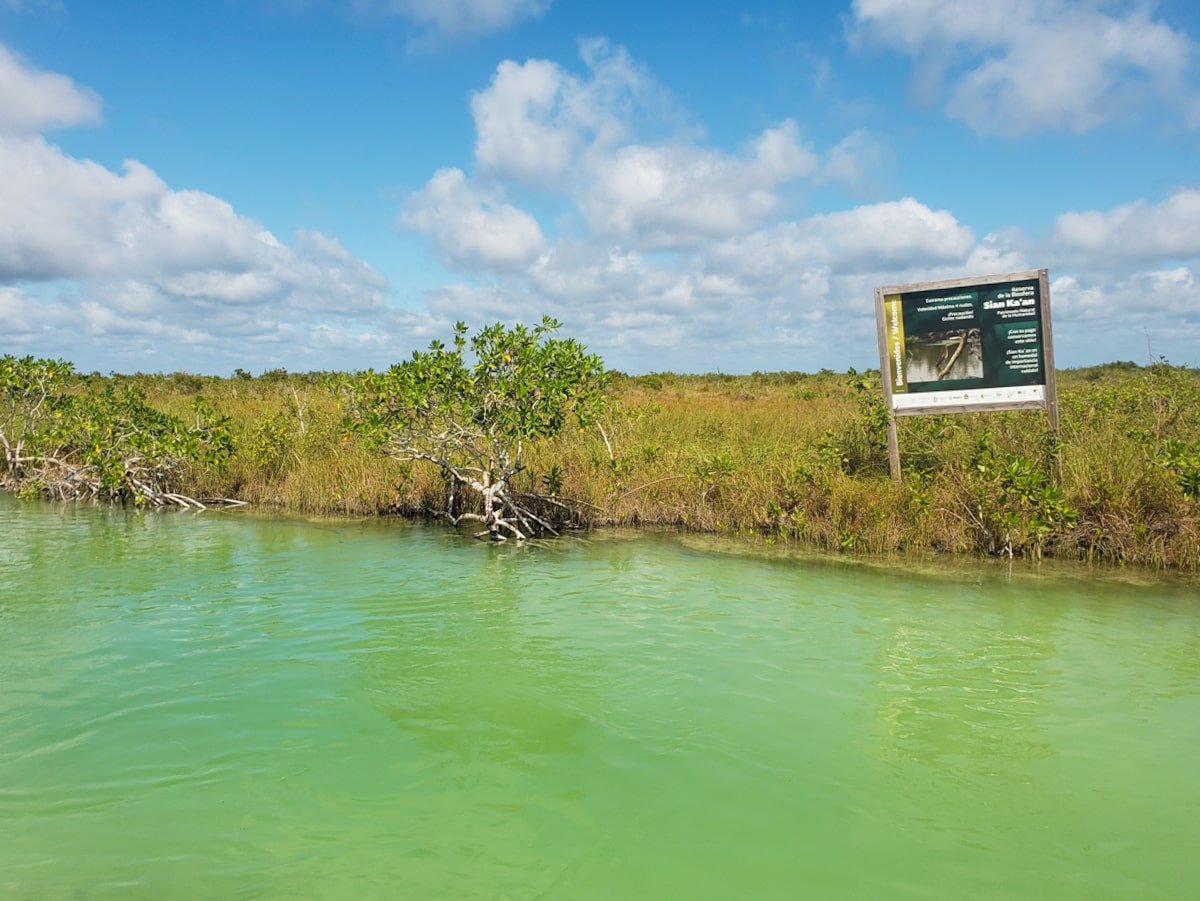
<point>962,343</point>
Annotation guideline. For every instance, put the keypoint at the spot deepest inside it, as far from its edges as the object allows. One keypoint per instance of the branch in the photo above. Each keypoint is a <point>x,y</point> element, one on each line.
<point>525,514</point>
<point>185,501</point>
<point>604,435</point>
<point>962,343</point>
<point>647,485</point>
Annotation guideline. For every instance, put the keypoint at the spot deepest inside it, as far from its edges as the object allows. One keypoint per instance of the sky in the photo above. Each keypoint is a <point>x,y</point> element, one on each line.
<point>696,187</point>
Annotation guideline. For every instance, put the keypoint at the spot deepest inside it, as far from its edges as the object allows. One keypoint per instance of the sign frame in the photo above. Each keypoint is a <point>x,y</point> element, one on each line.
<point>983,402</point>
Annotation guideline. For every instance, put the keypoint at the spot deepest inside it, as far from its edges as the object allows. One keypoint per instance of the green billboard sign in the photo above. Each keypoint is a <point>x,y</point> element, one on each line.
<point>978,343</point>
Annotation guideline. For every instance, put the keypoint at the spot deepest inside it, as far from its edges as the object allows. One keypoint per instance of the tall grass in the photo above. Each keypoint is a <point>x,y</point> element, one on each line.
<point>783,457</point>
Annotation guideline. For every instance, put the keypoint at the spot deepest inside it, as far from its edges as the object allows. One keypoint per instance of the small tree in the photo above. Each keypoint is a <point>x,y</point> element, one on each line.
<point>28,387</point>
<point>64,441</point>
<point>475,420</point>
<point>112,445</point>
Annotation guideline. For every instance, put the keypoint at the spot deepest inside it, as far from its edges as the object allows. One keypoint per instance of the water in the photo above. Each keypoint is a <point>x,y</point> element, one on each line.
<point>229,707</point>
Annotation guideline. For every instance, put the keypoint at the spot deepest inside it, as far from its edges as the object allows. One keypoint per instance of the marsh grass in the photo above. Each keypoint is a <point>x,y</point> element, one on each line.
<point>779,457</point>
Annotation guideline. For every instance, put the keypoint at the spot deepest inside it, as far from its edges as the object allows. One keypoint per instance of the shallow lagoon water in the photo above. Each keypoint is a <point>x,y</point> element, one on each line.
<point>224,706</point>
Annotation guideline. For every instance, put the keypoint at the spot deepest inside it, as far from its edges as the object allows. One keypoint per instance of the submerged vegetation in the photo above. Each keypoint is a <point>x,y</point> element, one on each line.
<point>785,457</point>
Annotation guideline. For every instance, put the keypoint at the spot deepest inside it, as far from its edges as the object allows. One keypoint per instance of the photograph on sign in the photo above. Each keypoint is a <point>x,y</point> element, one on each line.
<point>962,344</point>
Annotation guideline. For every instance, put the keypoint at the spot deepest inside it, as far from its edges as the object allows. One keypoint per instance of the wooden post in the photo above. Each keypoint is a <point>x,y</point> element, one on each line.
<point>893,449</point>
<point>1048,362</point>
<point>885,379</point>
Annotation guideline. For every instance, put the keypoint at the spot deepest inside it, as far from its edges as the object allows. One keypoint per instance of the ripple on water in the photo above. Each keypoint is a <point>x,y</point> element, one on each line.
<point>227,706</point>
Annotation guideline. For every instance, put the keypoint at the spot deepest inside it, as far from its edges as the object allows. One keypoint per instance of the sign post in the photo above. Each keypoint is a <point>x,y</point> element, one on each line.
<point>965,346</point>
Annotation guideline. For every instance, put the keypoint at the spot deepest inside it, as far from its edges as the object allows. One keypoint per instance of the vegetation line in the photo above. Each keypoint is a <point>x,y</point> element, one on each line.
<point>507,415</point>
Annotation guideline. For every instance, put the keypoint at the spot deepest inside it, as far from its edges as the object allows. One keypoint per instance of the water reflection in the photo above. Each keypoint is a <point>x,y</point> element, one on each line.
<point>450,659</point>
<point>973,699</point>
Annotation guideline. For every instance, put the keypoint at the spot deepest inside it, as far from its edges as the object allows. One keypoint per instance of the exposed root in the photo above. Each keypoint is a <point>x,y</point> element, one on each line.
<point>140,482</point>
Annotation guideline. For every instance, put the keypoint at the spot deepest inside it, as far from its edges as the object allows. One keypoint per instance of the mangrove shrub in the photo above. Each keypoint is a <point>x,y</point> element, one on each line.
<point>474,407</point>
<point>64,441</point>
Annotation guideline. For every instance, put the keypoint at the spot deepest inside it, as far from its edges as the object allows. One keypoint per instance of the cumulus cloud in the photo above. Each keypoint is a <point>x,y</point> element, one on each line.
<point>75,218</point>
<point>1019,66</point>
<point>519,121</point>
<point>129,262</point>
<point>897,235</point>
<point>675,195</point>
<point>27,322</point>
<point>746,301</point>
<point>667,251</point>
<point>470,227</point>
<point>772,297</point>
<point>1139,258</point>
<point>1135,232</point>
<point>1155,292</point>
<point>32,101</point>
<point>860,161</point>
<point>1166,321</point>
<point>658,249</point>
<point>884,238</point>
<point>1000,252</point>
<point>548,129</point>
<point>535,119</point>
<point>68,218</point>
<point>128,324</point>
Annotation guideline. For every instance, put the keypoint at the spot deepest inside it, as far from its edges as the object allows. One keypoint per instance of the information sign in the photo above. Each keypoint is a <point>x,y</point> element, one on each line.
<point>966,344</point>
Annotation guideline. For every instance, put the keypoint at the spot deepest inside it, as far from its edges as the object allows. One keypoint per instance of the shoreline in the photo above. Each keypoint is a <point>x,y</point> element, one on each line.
<point>931,564</point>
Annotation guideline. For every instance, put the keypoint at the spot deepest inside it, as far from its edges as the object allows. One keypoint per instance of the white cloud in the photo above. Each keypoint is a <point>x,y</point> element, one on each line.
<point>667,252</point>
<point>1157,310</point>
<point>470,227</point>
<point>1139,261</point>
<point>32,101</point>
<point>1001,252</point>
<point>896,235</point>
<point>749,302</point>
<point>136,267</point>
<point>68,218</point>
<point>676,195</point>
<point>885,238</point>
<point>552,131</point>
<point>25,322</point>
<point>798,294</point>
<point>1135,232</point>
<point>658,250</point>
<point>1170,292</point>
<point>860,162</point>
<point>459,18</point>
<point>535,119</point>
<point>518,121</point>
<point>1019,66</point>
<point>128,324</point>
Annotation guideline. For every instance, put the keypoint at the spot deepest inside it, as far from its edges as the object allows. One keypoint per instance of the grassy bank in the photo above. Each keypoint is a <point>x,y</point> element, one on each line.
<point>782,456</point>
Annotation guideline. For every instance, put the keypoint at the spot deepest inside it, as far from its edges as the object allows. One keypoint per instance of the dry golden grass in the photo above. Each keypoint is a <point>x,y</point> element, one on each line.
<point>780,457</point>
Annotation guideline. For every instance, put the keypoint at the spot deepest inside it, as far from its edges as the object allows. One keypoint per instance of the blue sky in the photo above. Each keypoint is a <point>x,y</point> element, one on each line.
<point>328,184</point>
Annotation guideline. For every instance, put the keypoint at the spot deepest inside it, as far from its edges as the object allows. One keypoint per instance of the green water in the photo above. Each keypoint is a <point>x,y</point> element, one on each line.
<point>226,707</point>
